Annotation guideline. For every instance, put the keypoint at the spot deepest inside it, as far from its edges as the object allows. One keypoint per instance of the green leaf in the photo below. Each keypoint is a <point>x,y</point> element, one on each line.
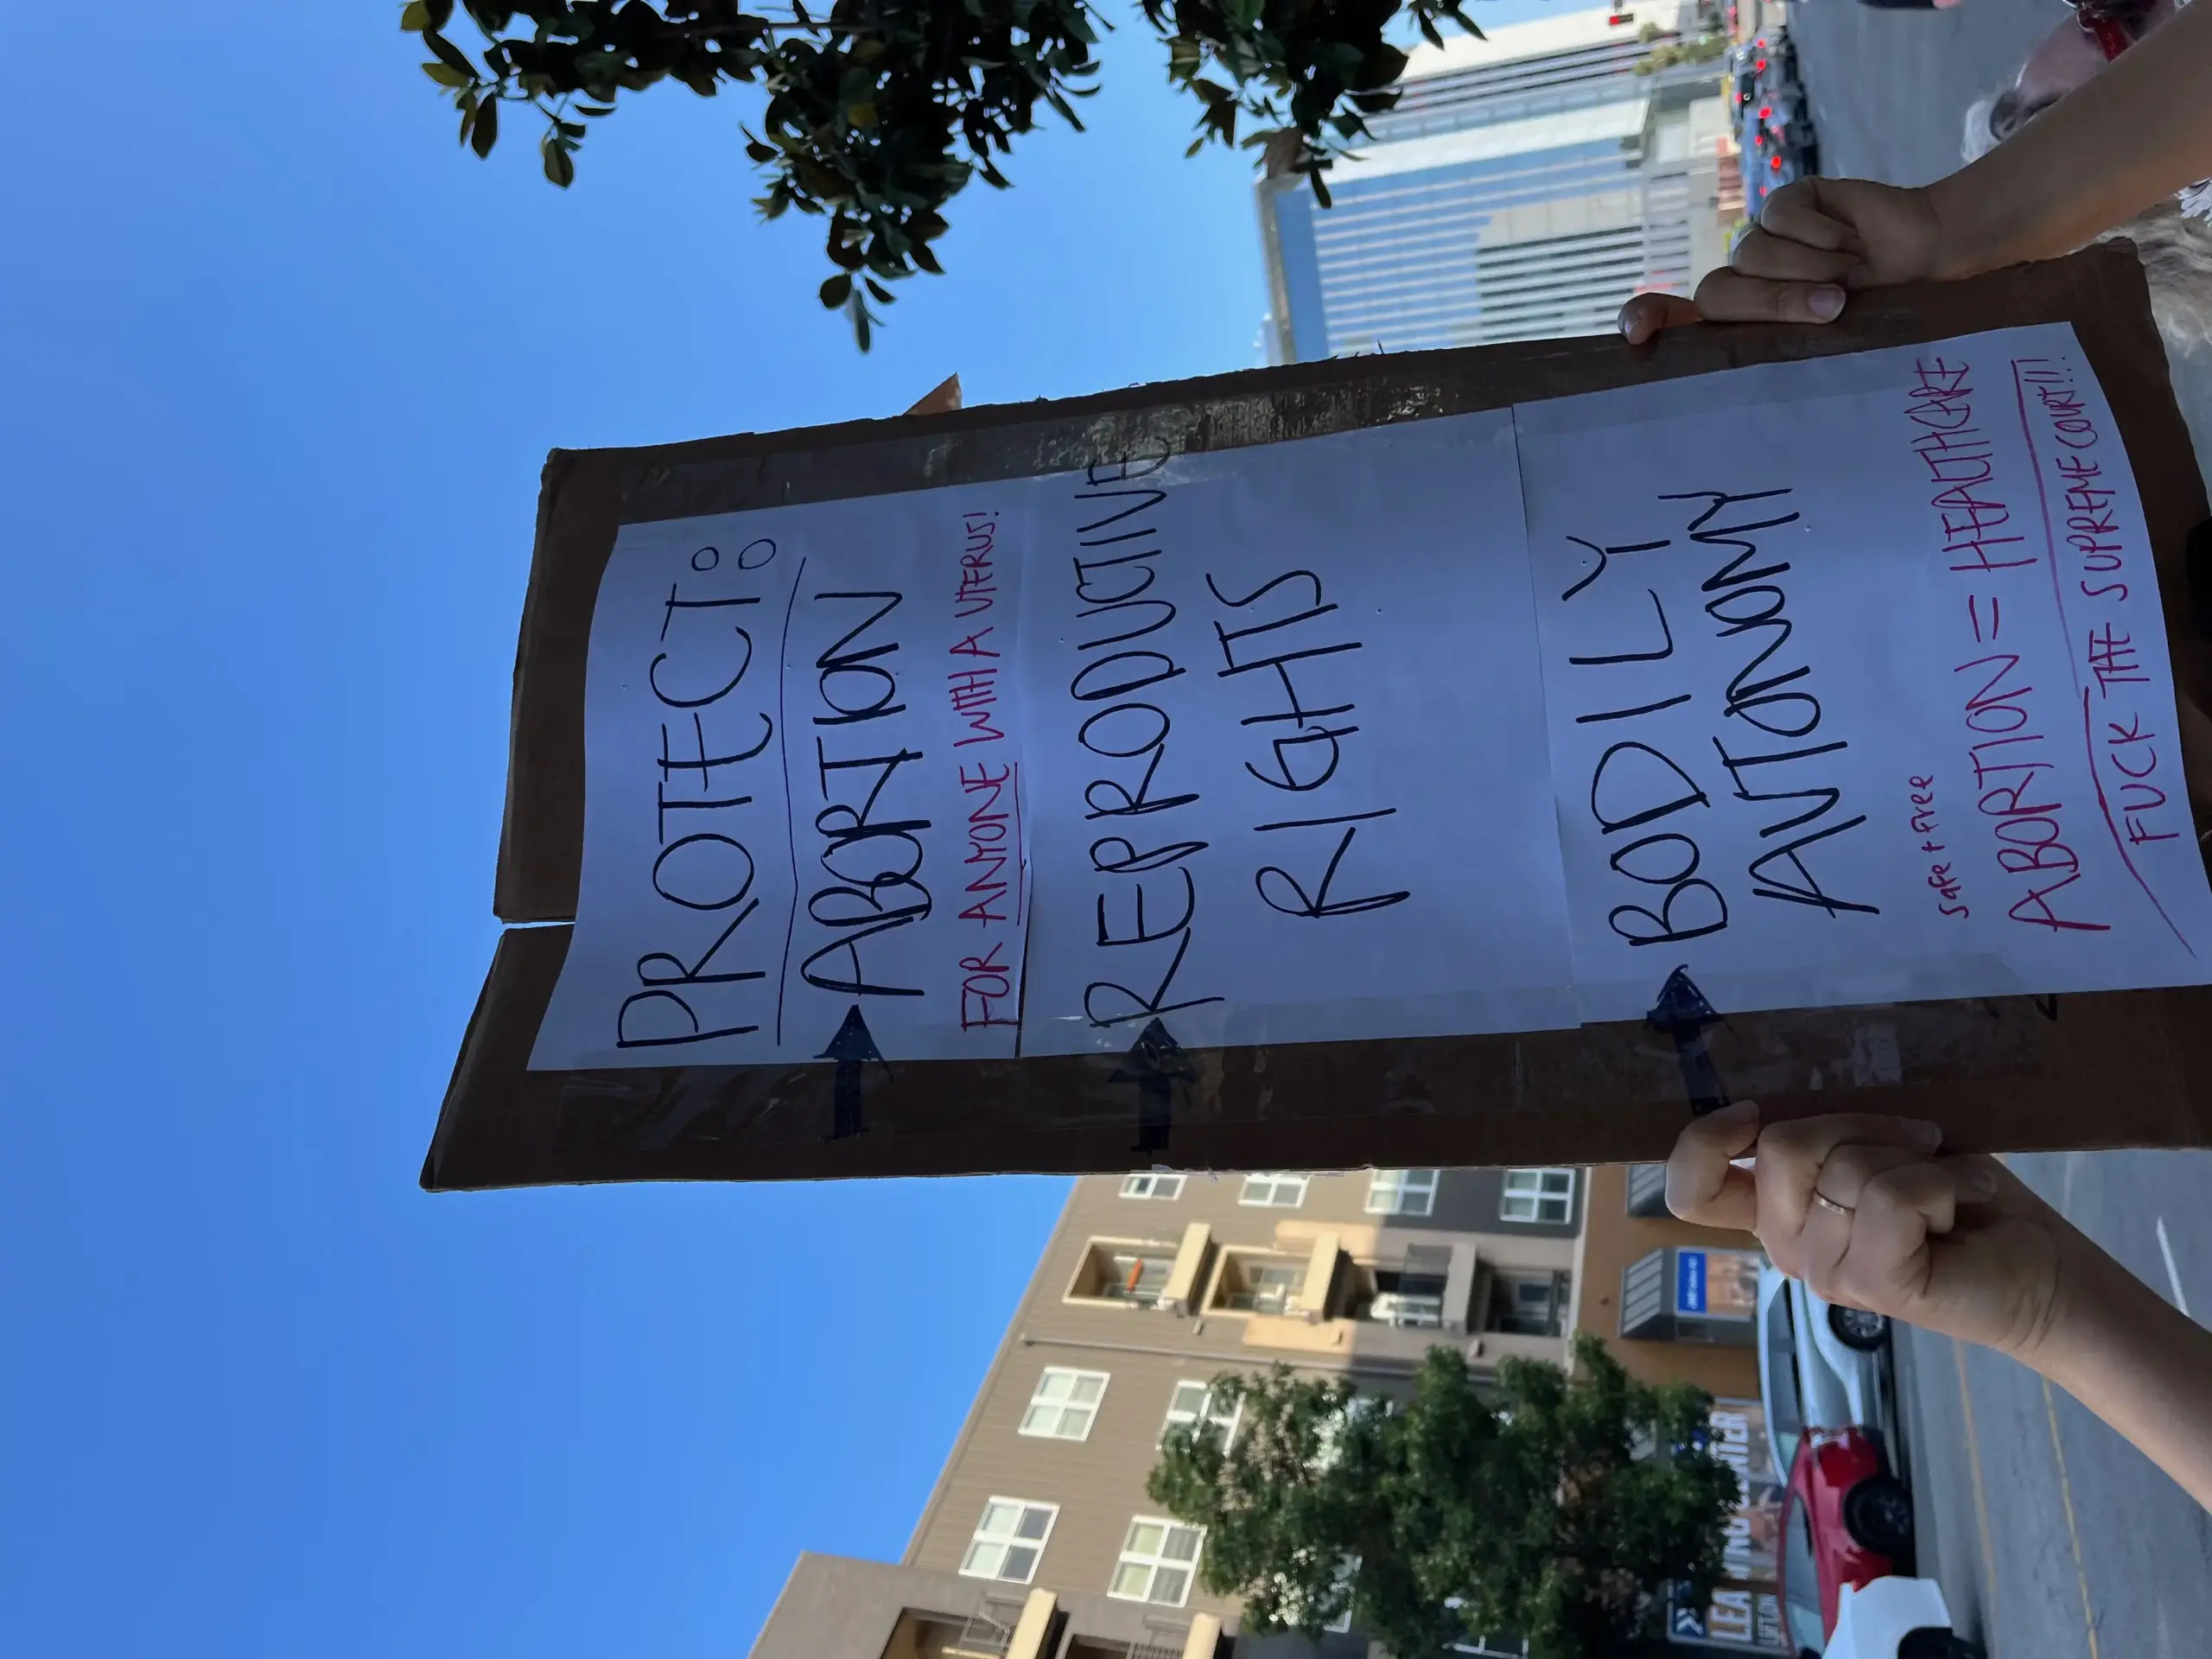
<point>449,53</point>
<point>837,291</point>
<point>415,17</point>
<point>445,76</point>
<point>486,132</point>
<point>560,166</point>
<point>878,290</point>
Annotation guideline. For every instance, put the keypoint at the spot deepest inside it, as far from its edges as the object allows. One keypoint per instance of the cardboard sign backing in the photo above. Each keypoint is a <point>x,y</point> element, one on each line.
<point>2007,1073</point>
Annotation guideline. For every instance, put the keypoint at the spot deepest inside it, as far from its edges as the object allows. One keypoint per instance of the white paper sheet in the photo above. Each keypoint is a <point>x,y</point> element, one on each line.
<point>1833,682</point>
<point>1847,663</point>
<point>803,787</point>
<point>1287,767</point>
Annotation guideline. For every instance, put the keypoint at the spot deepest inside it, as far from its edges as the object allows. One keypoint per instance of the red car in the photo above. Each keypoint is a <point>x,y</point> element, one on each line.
<point>1846,1520</point>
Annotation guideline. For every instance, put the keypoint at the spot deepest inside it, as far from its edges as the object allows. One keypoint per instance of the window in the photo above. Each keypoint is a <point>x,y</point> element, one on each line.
<point>1193,1402</point>
<point>1407,1298</point>
<point>1153,1185</point>
<point>1008,1540</point>
<point>1158,1557</point>
<point>1545,1195</point>
<point>1251,1283</point>
<point>1347,1581</point>
<point>1801,1583</point>
<point>1528,1304</point>
<point>1065,1404</point>
<point>1126,1271</point>
<point>1293,1605</point>
<point>1274,1189</point>
<point>1401,1192</point>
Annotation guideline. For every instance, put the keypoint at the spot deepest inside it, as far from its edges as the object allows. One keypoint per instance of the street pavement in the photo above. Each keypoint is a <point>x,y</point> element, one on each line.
<point>2052,1537</point>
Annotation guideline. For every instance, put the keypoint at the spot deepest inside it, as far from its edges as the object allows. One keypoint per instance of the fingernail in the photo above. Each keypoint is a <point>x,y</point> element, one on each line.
<point>1930,1135</point>
<point>1978,1183</point>
<point>1825,303</point>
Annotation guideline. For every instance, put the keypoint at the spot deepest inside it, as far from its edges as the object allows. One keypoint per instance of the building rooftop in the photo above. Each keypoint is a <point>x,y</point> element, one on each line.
<point>1570,31</point>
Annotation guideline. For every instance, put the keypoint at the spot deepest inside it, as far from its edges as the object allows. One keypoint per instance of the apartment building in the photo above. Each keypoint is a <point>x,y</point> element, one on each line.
<point>1155,1284</point>
<point>1039,1541</point>
<point>1152,1285</point>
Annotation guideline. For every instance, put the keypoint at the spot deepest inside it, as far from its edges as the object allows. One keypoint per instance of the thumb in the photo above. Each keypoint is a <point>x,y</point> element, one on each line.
<point>1643,316</point>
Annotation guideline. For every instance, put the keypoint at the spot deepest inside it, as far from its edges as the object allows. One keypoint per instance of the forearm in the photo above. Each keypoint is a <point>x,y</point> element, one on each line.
<point>2130,137</point>
<point>2141,1365</point>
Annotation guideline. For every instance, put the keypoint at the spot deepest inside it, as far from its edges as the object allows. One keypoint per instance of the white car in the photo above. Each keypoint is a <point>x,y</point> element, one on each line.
<point>1820,1366</point>
<point>1896,1618</point>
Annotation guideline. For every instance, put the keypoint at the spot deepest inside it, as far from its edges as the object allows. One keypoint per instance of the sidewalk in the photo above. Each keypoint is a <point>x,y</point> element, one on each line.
<point>2052,1537</point>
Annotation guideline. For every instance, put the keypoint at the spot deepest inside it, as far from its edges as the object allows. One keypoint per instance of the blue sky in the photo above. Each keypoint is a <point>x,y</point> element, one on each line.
<point>279,368</point>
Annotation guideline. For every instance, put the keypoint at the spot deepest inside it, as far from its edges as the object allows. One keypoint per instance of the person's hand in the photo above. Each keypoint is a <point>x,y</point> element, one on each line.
<point>1815,240</point>
<point>1867,1212</point>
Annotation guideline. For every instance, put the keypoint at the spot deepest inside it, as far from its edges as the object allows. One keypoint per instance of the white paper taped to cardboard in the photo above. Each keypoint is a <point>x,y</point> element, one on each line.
<point>1835,681</point>
<point>1859,684</point>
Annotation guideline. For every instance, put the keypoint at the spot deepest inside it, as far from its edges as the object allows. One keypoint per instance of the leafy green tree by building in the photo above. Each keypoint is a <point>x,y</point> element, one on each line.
<point>1557,1507</point>
<point>878,112</point>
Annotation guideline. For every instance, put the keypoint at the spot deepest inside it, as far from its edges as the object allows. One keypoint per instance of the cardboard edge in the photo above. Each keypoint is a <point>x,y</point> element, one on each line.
<point>501,1124</point>
<point>508,902</point>
<point>491,1070</point>
<point>497,1124</point>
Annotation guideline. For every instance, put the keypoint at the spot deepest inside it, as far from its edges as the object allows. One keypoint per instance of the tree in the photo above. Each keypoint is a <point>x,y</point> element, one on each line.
<point>1557,1508</point>
<point>880,111</point>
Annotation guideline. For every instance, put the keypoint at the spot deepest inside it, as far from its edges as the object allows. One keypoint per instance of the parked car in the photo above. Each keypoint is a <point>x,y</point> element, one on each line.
<point>1820,1366</point>
<point>1896,1618</point>
<point>1845,1520</point>
<point>1774,133</point>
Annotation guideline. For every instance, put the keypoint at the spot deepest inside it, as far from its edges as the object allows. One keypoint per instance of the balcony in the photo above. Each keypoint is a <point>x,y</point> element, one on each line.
<point>1197,1638</point>
<point>1255,1284</point>
<point>1139,1279</point>
<point>1142,1272</point>
<point>1528,1304</point>
<point>987,1633</point>
<point>1411,1294</point>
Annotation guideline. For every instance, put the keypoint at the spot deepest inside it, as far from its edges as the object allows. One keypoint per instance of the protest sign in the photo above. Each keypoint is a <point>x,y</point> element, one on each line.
<point>1314,768</point>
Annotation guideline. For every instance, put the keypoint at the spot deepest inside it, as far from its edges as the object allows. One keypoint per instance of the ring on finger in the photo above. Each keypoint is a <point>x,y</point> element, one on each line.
<point>1834,1209</point>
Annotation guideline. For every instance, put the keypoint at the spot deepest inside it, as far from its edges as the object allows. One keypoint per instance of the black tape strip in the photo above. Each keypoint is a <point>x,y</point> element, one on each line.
<point>1682,1014</point>
<point>2197,562</point>
<point>1154,1065</point>
<point>853,1048</point>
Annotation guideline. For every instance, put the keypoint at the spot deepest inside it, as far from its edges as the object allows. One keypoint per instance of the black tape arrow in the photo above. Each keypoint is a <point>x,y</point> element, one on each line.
<point>852,1048</point>
<point>1155,1063</point>
<point>1682,1012</point>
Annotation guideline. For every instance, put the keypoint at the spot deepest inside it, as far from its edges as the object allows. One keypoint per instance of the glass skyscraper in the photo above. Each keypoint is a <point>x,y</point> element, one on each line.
<point>1523,188</point>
